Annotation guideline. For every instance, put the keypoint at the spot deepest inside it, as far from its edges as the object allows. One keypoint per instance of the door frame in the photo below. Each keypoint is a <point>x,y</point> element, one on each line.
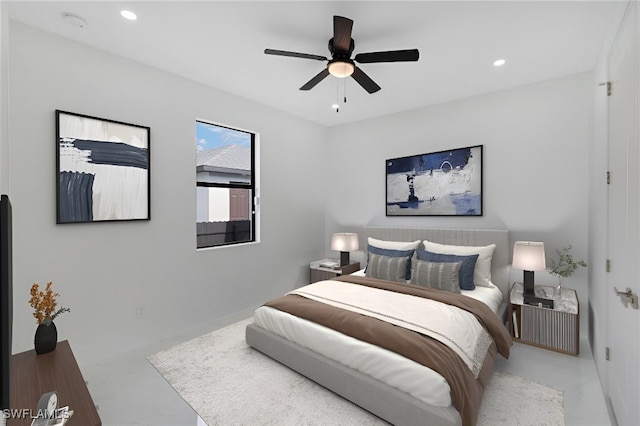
<point>631,18</point>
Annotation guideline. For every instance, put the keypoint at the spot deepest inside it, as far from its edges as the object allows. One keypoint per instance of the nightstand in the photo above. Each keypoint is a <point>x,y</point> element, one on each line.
<point>319,273</point>
<point>557,329</point>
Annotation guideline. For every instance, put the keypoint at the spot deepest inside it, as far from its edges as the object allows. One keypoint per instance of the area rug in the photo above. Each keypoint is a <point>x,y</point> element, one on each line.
<point>228,383</point>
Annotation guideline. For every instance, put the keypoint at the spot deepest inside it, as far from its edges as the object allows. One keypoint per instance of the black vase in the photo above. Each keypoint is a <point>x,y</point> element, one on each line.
<point>46,338</point>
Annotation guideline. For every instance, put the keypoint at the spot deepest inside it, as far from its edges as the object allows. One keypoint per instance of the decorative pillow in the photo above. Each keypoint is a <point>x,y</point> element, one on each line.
<point>467,268</point>
<point>391,268</point>
<point>392,253</point>
<point>394,245</point>
<point>482,272</point>
<point>440,275</point>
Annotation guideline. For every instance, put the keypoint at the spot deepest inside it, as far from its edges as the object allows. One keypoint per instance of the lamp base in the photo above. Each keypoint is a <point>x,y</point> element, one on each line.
<point>344,258</point>
<point>527,284</point>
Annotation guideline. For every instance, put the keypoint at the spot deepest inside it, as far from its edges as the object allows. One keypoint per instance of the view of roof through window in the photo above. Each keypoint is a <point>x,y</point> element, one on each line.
<point>225,185</point>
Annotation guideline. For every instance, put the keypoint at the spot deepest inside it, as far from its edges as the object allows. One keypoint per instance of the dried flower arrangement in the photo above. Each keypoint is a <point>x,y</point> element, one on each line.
<point>44,303</point>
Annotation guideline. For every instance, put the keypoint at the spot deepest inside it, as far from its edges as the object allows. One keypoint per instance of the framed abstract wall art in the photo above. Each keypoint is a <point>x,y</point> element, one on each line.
<point>444,183</point>
<point>102,170</point>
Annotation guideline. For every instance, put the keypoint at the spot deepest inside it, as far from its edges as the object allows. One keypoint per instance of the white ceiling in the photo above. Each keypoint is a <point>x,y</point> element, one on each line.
<point>221,44</point>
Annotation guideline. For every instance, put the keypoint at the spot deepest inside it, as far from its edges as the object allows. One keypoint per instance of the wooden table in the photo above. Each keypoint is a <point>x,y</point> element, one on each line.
<point>32,375</point>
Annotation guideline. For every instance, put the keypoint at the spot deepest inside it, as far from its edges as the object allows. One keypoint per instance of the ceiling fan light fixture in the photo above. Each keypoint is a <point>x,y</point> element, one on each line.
<point>341,69</point>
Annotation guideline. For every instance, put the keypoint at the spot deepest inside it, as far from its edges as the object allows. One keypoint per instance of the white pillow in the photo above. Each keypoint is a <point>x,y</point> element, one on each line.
<point>482,272</point>
<point>394,245</point>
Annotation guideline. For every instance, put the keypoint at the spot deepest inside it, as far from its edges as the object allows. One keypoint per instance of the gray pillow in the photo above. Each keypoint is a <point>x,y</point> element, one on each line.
<point>388,268</point>
<point>440,275</point>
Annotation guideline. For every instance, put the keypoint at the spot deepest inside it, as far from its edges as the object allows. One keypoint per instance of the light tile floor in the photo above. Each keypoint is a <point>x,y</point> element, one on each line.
<point>584,403</point>
<point>129,391</point>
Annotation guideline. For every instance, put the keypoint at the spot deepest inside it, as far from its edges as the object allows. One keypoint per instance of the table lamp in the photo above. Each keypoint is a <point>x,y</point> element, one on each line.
<point>344,242</point>
<point>528,256</point>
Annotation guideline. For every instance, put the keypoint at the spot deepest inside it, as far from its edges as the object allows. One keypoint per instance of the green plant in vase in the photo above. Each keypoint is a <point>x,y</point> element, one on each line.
<point>564,266</point>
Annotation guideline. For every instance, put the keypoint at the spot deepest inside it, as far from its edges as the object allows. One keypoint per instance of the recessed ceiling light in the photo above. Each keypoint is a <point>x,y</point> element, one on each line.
<point>499,62</point>
<point>127,14</point>
<point>335,106</point>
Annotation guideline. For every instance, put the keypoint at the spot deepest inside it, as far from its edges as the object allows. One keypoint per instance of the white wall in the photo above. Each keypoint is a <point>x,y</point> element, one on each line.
<point>536,140</point>
<point>219,205</point>
<point>4,98</point>
<point>202,205</point>
<point>213,204</point>
<point>111,274</point>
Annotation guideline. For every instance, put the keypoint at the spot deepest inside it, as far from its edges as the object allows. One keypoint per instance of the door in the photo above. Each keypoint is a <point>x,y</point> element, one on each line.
<point>624,218</point>
<point>238,204</point>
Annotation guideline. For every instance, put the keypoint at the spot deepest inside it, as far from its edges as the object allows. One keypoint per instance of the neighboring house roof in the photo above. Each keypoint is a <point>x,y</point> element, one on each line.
<point>228,158</point>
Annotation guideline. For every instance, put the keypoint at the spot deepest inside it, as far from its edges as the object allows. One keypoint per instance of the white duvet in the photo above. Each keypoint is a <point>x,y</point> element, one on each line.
<point>381,364</point>
<point>454,327</point>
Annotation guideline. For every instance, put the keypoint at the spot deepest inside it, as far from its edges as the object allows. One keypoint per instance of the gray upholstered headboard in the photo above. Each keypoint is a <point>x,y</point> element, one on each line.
<point>462,237</point>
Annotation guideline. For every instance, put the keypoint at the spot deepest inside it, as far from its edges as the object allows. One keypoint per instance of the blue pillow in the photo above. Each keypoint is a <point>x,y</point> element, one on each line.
<point>466,269</point>
<point>394,253</point>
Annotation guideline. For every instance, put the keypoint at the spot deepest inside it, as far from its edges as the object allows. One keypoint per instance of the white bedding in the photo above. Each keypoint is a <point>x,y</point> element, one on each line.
<point>490,296</point>
<point>381,364</point>
<point>456,328</point>
<point>374,361</point>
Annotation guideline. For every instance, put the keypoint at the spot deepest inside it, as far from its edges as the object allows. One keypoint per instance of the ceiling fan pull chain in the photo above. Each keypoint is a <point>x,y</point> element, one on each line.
<point>345,90</point>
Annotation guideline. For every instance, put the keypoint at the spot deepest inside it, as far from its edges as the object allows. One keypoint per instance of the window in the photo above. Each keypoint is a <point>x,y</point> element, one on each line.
<point>225,185</point>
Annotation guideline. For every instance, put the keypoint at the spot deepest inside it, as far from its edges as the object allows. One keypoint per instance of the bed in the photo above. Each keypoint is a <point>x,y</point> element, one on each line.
<point>402,391</point>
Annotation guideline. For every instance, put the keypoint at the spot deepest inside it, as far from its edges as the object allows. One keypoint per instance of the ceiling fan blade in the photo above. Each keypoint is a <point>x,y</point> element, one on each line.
<point>365,81</point>
<point>315,80</point>
<point>407,55</point>
<point>342,33</point>
<point>294,54</point>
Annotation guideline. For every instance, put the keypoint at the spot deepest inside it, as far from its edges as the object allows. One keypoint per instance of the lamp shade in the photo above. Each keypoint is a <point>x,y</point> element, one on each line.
<point>528,256</point>
<point>344,241</point>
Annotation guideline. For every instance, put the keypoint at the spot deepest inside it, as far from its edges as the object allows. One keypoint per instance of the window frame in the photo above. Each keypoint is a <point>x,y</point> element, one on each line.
<point>253,187</point>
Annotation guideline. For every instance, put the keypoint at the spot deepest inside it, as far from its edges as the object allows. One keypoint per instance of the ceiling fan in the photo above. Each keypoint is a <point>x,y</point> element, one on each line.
<point>341,65</point>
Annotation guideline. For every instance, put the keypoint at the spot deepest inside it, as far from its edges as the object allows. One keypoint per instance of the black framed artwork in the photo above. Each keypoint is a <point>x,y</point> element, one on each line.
<point>443,183</point>
<point>102,170</point>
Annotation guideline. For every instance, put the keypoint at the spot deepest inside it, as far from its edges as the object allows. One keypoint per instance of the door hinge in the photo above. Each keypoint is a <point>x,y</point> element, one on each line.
<point>607,354</point>
<point>608,178</point>
<point>608,84</point>
<point>607,266</point>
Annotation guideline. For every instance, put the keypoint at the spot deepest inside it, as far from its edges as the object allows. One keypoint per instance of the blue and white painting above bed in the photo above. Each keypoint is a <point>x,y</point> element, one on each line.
<point>102,170</point>
<point>444,183</point>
